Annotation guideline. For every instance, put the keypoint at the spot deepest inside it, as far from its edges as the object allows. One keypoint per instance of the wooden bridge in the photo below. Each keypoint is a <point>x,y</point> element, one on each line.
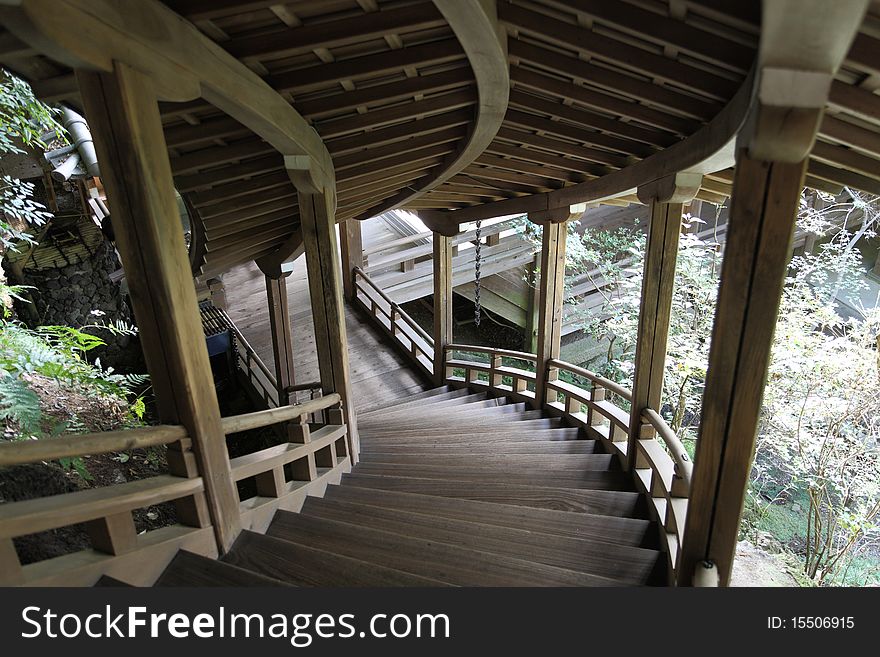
<point>277,120</point>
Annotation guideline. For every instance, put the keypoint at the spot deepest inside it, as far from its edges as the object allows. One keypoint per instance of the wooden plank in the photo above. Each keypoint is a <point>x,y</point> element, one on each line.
<point>367,66</point>
<point>614,82</point>
<point>293,40</point>
<point>302,565</point>
<point>617,53</point>
<point>125,122</point>
<point>44,513</point>
<point>763,213</point>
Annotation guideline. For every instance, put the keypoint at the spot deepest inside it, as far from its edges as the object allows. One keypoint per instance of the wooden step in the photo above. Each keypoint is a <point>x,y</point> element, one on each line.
<point>440,409</point>
<point>635,532</point>
<point>190,569</point>
<point>465,447</point>
<point>515,433</point>
<point>629,504</point>
<point>630,565</point>
<point>470,398</point>
<point>596,480</point>
<point>491,416</point>
<point>417,401</point>
<point>525,425</point>
<point>447,563</point>
<point>305,566</point>
<point>498,461</point>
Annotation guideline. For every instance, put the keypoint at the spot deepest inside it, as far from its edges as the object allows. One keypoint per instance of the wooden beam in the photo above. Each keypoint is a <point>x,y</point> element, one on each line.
<point>618,53</point>
<point>603,102</point>
<point>124,118</point>
<point>328,313</point>
<point>550,299</point>
<point>282,337</point>
<point>708,150</point>
<point>760,230</point>
<point>442,253</point>
<point>183,63</point>
<point>351,249</point>
<point>301,80</point>
<point>384,94</point>
<point>484,41</point>
<point>613,81</point>
<point>293,40</point>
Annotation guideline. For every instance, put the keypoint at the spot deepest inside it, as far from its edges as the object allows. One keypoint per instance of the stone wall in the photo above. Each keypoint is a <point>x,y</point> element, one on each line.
<point>82,294</point>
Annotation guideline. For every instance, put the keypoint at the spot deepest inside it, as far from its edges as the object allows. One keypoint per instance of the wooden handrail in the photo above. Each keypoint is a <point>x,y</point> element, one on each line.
<point>52,449</point>
<point>684,467</point>
<point>259,419</point>
<point>256,358</point>
<point>363,275</point>
<point>43,513</point>
<point>608,384</point>
<point>492,351</point>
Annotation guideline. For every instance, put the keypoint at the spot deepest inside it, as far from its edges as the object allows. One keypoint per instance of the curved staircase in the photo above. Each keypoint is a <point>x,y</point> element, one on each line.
<point>454,488</point>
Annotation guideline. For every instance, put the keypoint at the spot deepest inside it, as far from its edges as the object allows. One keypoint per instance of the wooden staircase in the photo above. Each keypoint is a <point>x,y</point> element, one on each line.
<point>454,488</point>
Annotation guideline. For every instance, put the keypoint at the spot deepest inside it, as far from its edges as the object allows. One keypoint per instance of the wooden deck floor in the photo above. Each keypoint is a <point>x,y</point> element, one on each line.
<point>378,373</point>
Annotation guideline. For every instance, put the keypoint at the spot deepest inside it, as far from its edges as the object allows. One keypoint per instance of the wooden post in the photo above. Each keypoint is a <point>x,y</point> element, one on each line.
<point>761,227</point>
<point>666,197</point>
<point>282,338</point>
<point>442,302</point>
<point>124,117</point>
<point>351,247</point>
<point>550,297</point>
<point>530,343</point>
<point>771,161</point>
<point>316,211</point>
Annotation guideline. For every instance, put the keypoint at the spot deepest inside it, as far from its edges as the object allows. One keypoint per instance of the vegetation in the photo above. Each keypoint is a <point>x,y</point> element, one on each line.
<point>817,451</point>
<point>47,384</point>
<point>24,122</point>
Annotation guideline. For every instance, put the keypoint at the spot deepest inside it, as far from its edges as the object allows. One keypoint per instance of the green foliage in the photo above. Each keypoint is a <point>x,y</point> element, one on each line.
<point>20,404</point>
<point>58,353</point>
<point>24,121</point>
<point>820,424</point>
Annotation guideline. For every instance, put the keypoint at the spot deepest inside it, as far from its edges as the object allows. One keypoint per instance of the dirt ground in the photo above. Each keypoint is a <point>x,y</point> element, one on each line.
<point>756,567</point>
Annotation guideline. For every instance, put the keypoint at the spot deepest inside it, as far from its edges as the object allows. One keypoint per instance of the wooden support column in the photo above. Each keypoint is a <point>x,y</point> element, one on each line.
<point>550,298</point>
<point>282,338</point>
<point>531,329</point>
<point>771,160</point>
<point>762,220</point>
<point>442,302</point>
<point>316,211</point>
<point>351,247</point>
<point>124,117</point>
<point>666,197</point>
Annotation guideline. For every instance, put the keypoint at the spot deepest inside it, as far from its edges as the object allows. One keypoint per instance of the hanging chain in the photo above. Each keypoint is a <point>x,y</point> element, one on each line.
<point>477,252</point>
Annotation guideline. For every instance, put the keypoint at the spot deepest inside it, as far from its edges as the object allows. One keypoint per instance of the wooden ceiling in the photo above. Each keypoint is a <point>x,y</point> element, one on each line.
<point>395,93</point>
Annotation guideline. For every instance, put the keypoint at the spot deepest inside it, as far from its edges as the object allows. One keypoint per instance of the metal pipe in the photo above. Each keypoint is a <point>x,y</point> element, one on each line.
<point>82,138</point>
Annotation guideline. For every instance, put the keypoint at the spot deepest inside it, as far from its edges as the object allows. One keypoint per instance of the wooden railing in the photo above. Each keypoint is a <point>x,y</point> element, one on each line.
<point>407,335</point>
<point>282,476</point>
<point>662,468</point>
<point>262,380</point>
<point>505,372</point>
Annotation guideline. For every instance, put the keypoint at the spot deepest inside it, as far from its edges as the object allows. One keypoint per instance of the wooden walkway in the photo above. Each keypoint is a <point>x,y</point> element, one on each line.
<point>378,374</point>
